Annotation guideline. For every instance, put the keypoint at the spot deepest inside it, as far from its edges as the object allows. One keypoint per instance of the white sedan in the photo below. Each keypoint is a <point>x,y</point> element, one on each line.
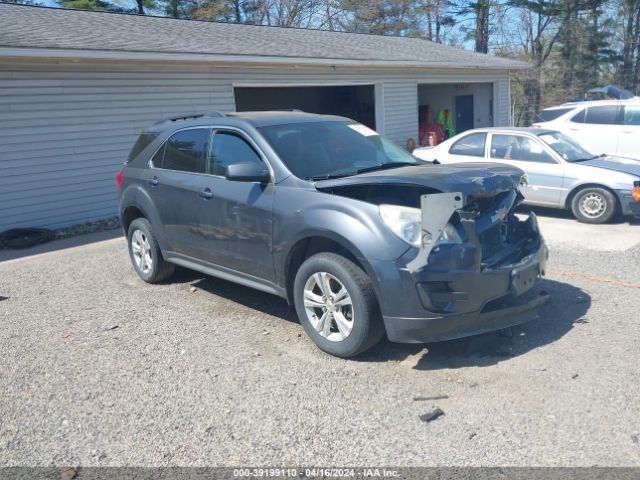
<point>560,173</point>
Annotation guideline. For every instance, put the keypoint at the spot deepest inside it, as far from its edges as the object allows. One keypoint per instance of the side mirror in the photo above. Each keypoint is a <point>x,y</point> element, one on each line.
<point>247,172</point>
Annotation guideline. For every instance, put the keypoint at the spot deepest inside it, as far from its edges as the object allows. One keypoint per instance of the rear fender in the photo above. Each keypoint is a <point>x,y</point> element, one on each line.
<point>135,196</point>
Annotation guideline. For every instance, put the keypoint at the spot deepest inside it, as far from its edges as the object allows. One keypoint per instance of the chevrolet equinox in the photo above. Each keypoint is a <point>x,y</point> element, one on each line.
<point>361,237</point>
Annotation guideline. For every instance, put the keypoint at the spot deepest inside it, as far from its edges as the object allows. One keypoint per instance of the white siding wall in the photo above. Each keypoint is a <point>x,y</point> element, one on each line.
<point>66,128</point>
<point>502,107</point>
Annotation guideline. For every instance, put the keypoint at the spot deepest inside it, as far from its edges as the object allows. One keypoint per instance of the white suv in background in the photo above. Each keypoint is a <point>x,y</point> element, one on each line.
<point>611,127</point>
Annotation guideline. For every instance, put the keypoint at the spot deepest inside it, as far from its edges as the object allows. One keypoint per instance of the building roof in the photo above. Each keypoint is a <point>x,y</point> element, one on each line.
<point>49,32</point>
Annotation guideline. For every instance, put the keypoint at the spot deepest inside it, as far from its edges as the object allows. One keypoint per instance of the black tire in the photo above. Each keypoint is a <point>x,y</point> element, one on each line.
<point>594,205</point>
<point>159,269</point>
<point>367,328</point>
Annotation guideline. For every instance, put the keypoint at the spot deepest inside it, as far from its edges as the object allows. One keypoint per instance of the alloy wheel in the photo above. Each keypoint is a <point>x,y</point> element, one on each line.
<point>328,306</point>
<point>141,249</point>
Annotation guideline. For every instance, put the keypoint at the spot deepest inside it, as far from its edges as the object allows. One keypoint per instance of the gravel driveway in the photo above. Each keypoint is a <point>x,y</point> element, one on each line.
<point>99,368</point>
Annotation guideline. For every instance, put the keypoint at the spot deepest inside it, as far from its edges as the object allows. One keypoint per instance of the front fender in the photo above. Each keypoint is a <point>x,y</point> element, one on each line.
<point>579,176</point>
<point>354,224</point>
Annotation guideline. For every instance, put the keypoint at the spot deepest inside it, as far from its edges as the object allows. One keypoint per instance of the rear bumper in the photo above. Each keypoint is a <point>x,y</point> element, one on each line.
<point>429,304</point>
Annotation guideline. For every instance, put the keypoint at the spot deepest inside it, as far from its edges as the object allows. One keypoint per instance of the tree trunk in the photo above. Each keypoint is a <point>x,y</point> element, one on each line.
<point>140,6</point>
<point>568,49</point>
<point>636,75</point>
<point>482,26</point>
<point>627,74</point>
<point>438,24</point>
<point>237,12</point>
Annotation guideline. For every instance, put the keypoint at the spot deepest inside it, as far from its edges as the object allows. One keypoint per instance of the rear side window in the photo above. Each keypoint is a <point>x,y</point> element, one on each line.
<point>228,148</point>
<point>602,115</point>
<point>186,151</point>
<point>471,145</point>
<point>144,140</point>
<point>632,115</point>
<point>579,117</point>
<point>517,147</point>
<point>548,115</point>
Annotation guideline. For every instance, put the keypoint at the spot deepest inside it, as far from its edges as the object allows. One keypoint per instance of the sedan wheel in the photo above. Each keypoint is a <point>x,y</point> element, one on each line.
<point>594,205</point>
<point>328,306</point>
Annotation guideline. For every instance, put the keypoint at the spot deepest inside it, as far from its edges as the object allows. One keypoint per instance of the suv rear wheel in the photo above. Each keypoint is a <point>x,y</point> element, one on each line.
<point>593,205</point>
<point>145,253</point>
<point>336,305</point>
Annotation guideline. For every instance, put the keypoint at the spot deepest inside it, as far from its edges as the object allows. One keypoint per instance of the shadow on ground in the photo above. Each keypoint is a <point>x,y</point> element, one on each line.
<point>58,245</point>
<point>567,308</point>
<point>249,297</point>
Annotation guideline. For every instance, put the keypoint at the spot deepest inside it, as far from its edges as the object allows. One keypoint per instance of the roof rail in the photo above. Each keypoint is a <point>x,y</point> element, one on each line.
<point>188,116</point>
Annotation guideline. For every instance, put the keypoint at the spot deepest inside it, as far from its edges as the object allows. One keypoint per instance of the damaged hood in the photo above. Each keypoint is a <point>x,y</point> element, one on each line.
<point>619,164</point>
<point>471,179</point>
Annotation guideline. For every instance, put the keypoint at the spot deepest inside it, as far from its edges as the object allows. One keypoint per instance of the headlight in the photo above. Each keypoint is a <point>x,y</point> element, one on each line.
<point>406,223</point>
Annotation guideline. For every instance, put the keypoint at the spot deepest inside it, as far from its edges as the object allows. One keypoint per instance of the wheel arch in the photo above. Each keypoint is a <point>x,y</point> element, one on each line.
<point>577,188</point>
<point>129,214</point>
<point>136,203</point>
<point>313,243</point>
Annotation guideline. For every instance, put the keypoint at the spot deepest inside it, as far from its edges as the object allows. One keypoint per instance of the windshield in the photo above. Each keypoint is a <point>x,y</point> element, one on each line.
<point>319,150</point>
<point>566,147</point>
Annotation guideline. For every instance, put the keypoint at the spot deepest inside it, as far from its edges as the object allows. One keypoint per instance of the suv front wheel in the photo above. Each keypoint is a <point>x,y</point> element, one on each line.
<point>336,305</point>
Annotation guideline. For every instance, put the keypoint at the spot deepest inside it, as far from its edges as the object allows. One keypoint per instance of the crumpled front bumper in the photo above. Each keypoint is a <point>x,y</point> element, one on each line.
<point>441,292</point>
<point>505,297</point>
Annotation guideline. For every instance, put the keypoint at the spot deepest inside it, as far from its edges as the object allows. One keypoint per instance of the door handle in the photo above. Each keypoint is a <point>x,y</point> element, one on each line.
<point>206,193</point>
<point>154,181</point>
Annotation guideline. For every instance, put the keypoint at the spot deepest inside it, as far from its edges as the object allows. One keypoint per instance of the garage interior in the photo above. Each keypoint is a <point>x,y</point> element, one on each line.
<point>470,104</point>
<point>352,101</point>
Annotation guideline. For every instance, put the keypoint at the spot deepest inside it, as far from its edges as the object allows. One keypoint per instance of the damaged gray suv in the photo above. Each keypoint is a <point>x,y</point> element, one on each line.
<point>363,238</point>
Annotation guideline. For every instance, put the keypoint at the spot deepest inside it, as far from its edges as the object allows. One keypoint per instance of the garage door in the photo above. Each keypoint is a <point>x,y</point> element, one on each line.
<point>352,101</point>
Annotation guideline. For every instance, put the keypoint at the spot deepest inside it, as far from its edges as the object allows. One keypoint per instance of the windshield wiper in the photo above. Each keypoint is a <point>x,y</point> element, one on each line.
<point>384,166</point>
<point>327,177</point>
<point>602,155</point>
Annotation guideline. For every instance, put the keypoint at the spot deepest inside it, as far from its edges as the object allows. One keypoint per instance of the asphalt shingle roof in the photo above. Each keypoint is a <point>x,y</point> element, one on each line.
<point>47,28</point>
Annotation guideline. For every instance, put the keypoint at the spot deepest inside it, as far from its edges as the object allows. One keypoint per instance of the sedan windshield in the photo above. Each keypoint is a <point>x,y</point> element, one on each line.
<point>320,150</point>
<point>566,147</point>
